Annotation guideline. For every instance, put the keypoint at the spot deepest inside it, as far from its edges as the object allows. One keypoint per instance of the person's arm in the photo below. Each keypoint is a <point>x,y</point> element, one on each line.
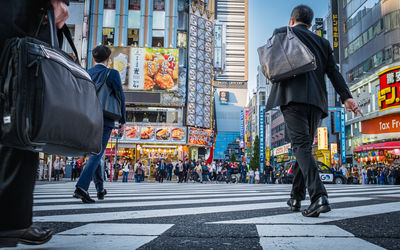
<point>339,83</point>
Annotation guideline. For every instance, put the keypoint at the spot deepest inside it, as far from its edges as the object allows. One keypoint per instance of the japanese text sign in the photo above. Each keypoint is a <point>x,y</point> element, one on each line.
<point>389,94</point>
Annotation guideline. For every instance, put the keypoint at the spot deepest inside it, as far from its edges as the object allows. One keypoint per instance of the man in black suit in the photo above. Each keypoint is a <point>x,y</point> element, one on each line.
<point>18,167</point>
<point>304,103</point>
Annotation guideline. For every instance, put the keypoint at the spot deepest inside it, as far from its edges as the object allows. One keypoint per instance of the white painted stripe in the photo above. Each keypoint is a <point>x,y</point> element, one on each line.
<point>69,194</point>
<point>93,242</point>
<point>90,217</point>
<point>165,202</point>
<point>154,203</point>
<point>69,200</point>
<point>301,231</point>
<point>334,215</point>
<point>119,229</point>
<point>300,243</point>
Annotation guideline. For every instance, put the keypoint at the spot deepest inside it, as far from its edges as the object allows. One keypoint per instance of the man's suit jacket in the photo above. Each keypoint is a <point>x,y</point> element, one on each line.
<point>310,88</point>
<point>113,80</point>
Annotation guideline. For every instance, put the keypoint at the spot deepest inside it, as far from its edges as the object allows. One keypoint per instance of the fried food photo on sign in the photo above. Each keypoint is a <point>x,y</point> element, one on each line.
<point>160,69</point>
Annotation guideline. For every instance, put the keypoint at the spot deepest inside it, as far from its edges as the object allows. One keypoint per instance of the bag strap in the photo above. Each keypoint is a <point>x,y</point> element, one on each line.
<point>67,33</point>
<point>103,80</point>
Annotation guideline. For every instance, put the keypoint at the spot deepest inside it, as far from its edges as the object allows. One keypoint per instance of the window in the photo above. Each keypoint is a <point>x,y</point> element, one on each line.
<point>159,5</point>
<point>109,4</point>
<point>133,37</point>
<point>66,47</point>
<point>134,4</point>
<point>157,42</point>
<point>108,36</point>
<point>139,116</point>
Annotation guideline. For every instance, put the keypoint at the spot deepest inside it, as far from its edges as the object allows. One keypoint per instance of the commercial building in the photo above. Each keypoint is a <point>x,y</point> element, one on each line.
<point>370,60</point>
<point>230,62</point>
<point>163,50</point>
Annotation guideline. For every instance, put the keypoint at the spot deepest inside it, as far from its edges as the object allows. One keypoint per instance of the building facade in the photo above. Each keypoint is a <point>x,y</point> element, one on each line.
<point>370,60</point>
<point>231,64</point>
<point>163,50</point>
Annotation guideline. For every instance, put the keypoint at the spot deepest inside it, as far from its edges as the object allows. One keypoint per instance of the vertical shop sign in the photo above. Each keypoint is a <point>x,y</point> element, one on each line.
<point>323,138</point>
<point>342,136</point>
<point>335,29</point>
<point>241,129</point>
<point>334,153</point>
<point>262,138</point>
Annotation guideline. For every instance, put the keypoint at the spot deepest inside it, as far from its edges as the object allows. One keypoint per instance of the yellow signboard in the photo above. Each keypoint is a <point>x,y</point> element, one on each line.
<point>323,138</point>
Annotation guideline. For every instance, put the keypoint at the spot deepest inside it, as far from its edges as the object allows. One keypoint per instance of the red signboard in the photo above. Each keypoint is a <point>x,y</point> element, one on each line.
<point>389,94</point>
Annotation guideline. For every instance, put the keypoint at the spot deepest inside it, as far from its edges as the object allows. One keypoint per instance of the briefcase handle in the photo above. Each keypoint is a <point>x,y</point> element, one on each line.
<point>54,42</point>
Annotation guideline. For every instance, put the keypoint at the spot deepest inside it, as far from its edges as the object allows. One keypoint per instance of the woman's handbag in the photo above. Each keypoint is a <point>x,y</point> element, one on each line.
<point>110,99</point>
<point>48,102</point>
<point>285,56</point>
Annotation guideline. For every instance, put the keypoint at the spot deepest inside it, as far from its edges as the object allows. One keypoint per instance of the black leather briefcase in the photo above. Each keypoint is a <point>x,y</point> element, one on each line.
<point>48,102</point>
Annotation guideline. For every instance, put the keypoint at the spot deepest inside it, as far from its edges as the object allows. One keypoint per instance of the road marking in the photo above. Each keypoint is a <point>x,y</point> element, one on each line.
<point>301,231</point>
<point>320,243</point>
<point>119,229</point>
<point>334,215</point>
<point>108,216</point>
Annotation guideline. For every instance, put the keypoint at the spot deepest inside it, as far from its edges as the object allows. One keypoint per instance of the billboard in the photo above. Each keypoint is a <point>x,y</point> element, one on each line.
<point>146,69</point>
<point>262,137</point>
<point>200,75</point>
<point>389,94</point>
<point>224,97</point>
<point>381,128</point>
<point>154,134</point>
<point>322,138</point>
<point>200,137</point>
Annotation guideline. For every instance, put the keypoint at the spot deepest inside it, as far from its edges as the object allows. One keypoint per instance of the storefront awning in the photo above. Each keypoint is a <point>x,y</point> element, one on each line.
<point>378,146</point>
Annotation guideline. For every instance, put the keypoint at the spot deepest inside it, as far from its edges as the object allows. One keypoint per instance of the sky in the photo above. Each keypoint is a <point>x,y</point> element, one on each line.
<point>264,17</point>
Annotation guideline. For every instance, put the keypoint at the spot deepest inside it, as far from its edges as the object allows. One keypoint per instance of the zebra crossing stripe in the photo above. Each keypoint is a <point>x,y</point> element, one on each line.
<point>301,231</point>
<point>109,216</point>
<point>104,236</point>
<point>133,198</point>
<point>299,243</point>
<point>334,215</point>
<point>170,201</point>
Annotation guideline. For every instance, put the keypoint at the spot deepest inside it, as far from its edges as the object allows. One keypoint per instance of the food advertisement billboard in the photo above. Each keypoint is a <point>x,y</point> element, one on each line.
<point>200,137</point>
<point>155,134</point>
<point>147,69</point>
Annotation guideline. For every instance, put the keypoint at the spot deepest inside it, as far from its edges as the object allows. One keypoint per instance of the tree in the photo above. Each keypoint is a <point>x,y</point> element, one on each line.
<point>255,159</point>
<point>233,157</point>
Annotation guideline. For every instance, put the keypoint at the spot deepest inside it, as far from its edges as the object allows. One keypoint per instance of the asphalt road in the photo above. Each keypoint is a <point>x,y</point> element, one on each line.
<point>216,216</point>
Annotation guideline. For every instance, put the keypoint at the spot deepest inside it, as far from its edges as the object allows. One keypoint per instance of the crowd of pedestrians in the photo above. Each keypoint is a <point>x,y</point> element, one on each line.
<point>371,174</point>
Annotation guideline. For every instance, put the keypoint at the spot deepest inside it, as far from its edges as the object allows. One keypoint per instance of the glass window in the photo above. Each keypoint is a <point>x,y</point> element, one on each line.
<point>133,37</point>
<point>109,4</point>
<point>152,116</point>
<point>108,36</point>
<point>157,42</point>
<point>134,4</point>
<point>159,5</point>
<point>396,52</point>
<point>388,54</point>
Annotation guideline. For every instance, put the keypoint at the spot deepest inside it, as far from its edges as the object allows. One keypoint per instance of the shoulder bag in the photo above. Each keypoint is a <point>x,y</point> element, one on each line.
<point>110,99</point>
<point>285,56</point>
<point>48,102</point>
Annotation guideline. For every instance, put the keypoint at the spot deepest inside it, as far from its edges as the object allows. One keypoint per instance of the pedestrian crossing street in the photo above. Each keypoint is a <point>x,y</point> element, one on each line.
<point>141,215</point>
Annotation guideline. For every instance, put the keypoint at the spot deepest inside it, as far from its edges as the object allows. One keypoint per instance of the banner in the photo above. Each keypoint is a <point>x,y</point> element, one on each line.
<point>381,128</point>
<point>323,138</point>
<point>200,137</point>
<point>389,94</point>
<point>262,137</point>
<point>149,69</point>
<point>154,134</point>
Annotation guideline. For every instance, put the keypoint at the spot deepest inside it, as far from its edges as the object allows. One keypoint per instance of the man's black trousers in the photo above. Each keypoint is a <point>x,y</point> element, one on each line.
<point>302,121</point>
<point>17,179</point>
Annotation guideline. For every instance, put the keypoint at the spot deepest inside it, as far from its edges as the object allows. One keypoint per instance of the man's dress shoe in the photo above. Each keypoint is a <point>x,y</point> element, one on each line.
<point>83,195</point>
<point>321,205</point>
<point>294,205</point>
<point>100,195</point>
<point>31,236</point>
